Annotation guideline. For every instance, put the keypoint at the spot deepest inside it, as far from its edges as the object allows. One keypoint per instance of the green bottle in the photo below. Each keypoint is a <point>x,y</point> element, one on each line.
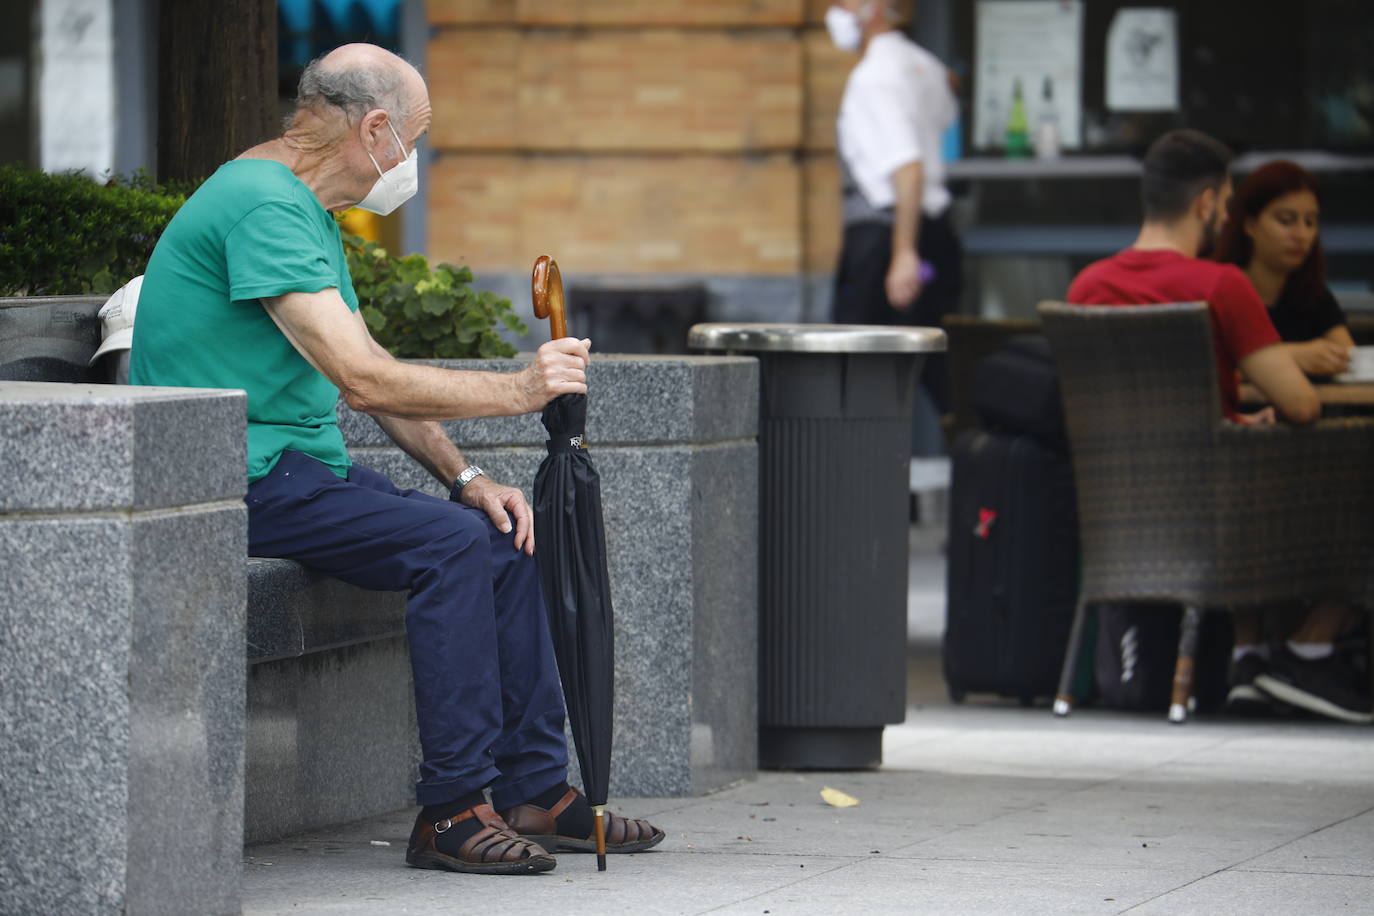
<point>1018,132</point>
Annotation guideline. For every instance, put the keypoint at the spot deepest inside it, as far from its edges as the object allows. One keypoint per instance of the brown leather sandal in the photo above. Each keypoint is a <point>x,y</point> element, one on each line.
<point>494,850</point>
<point>623,834</point>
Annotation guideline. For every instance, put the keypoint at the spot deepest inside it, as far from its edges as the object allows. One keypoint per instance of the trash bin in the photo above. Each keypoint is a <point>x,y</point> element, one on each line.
<point>835,405</point>
<point>641,317</point>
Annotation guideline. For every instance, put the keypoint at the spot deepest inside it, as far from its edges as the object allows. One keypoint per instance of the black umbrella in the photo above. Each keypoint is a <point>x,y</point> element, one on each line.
<point>572,568</point>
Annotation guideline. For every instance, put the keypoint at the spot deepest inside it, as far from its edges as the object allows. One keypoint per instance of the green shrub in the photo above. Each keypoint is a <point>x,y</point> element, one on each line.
<point>66,235</point>
<point>418,313</point>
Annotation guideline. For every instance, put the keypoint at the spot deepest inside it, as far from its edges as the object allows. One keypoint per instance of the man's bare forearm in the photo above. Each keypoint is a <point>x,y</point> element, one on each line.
<point>407,391</point>
<point>426,442</point>
<point>336,342</point>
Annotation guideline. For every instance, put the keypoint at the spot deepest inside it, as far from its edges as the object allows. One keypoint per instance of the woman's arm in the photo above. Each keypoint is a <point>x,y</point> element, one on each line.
<point>1341,335</point>
<point>1325,355</point>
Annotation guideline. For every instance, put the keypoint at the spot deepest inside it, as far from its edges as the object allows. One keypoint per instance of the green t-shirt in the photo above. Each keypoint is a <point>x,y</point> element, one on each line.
<point>252,230</point>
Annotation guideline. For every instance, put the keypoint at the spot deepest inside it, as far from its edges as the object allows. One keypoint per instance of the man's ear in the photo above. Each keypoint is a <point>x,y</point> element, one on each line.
<point>372,126</point>
<point>1204,204</point>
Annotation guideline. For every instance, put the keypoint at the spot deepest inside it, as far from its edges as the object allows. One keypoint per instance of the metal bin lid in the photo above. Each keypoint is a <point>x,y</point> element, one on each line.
<point>815,338</point>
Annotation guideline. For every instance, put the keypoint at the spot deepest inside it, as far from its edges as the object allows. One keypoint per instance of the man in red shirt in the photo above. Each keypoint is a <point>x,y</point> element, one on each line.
<point>1185,187</point>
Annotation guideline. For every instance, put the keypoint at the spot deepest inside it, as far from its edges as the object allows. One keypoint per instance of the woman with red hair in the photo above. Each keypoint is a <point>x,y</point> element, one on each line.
<point>1271,234</point>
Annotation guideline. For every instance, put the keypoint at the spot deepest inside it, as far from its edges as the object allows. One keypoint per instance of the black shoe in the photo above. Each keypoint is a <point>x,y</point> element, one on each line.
<point>1327,686</point>
<point>1244,698</point>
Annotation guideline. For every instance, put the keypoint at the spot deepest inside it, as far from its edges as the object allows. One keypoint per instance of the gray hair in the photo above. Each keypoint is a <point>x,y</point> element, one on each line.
<point>355,90</point>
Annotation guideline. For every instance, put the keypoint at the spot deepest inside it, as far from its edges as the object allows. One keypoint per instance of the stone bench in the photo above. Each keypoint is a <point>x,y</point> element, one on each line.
<point>674,439</point>
<point>331,726</point>
<point>330,719</point>
<point>139,643</point>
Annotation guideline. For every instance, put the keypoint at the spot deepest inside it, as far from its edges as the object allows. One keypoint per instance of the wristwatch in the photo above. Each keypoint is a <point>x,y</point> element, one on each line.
<point>469,474</point>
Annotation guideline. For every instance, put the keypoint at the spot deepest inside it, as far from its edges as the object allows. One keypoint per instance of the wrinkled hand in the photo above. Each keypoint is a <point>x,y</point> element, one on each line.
<point>502,503</point>
<point>903,281</point>
<point>559,367</point>
<point>1263,417</point>
<point>1322,357</point>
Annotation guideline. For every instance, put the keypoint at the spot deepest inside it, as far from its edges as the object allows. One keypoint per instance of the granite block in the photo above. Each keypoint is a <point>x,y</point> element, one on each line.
<point>99,447</point>
<point>202,436</point>
<point>725,535</point>
<point>65,651</point>
<point>121,604</point>
<point>631,400</point>
<point>186,706</point>
<point>646,496</point>
<point>294,611</point>
<point>331,738</point>
<point>673,439</point>
<point>680,538</point>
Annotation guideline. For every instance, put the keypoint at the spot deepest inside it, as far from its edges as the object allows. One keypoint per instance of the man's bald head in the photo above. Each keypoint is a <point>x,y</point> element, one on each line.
<point>358,78</point>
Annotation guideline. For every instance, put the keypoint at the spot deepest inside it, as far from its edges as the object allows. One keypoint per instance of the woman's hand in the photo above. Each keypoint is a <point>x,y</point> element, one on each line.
<point>1321,357</point>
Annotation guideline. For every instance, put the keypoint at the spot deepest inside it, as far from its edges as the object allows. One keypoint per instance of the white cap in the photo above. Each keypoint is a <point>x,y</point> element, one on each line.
<point>117,319</point>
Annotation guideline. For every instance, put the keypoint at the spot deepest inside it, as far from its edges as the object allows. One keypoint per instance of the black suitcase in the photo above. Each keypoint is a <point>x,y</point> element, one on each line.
<point>1012,577</point>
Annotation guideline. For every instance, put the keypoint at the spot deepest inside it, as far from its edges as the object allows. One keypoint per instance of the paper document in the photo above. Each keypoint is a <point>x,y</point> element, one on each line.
<point>1361,366</point>
<point>1142,60</point>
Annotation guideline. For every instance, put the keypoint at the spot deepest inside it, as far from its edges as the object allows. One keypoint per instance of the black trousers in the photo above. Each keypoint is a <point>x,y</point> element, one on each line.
<point>860,295</point>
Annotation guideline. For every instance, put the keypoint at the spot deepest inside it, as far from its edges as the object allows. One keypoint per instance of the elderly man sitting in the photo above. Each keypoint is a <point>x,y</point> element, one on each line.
<point>249,288</point>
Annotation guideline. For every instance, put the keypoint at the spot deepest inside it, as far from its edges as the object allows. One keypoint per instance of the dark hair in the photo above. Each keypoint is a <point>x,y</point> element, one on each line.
<point>1260,188</point>
<point>1178,167</point>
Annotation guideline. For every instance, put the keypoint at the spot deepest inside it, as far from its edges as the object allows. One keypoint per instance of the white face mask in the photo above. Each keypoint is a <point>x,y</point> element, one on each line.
<point>396,185</point>
<point>844,28</point>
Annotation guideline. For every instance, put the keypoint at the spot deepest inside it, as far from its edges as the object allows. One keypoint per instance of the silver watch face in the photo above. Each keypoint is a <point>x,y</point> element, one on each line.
<point>470,473</point>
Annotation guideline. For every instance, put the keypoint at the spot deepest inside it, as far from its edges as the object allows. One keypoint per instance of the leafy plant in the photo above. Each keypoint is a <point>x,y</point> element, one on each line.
<point>419,313</point>
<point>67,235</point>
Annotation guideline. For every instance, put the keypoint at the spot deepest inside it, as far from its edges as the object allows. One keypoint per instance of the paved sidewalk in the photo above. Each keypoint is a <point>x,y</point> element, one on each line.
<point>986,808</point>
<point>982,808</point>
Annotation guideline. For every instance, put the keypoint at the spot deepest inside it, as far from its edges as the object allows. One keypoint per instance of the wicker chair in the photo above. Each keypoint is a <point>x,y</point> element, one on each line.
<point>1176,503</point>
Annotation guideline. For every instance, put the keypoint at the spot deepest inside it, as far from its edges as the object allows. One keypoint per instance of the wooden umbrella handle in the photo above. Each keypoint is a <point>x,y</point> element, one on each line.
<point>546,288</point>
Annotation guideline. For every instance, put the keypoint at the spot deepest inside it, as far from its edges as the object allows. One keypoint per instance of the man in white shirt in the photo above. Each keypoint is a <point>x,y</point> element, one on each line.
<point>901,262</point>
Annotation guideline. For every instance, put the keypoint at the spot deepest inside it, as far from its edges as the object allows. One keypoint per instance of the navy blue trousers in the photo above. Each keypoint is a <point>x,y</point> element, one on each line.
<point>487,696</point>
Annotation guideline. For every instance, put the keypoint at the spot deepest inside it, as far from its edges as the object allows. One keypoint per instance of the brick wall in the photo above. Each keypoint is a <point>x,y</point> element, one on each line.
<point>634,136</point>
